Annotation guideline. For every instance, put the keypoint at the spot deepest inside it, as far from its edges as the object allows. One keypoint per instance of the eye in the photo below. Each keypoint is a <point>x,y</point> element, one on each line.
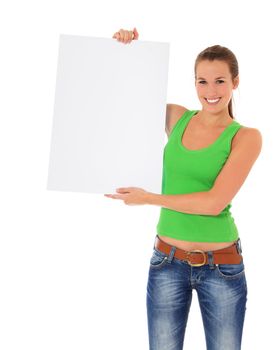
<point>202,82</point>
<point>220,81</point>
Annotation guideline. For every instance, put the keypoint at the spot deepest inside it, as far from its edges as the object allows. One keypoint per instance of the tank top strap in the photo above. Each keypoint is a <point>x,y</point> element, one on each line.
<point>182,121</point>
<point>225,137</point>
<point>231,130</point>
<point>229,133</point>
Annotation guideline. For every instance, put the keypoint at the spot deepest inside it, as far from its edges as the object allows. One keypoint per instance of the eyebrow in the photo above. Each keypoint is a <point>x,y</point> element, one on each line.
<point>216,78</point>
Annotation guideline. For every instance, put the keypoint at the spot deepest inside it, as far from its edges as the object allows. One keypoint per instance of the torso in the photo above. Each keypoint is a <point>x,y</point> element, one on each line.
<point>196,137</point>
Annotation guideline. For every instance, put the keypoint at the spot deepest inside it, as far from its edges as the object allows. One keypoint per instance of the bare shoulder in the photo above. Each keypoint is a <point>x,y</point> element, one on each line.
<point>173,114</point>
<point>248,138</point>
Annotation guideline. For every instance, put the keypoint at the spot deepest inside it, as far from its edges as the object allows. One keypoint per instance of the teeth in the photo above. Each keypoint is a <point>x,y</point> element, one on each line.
<point>213,101</point>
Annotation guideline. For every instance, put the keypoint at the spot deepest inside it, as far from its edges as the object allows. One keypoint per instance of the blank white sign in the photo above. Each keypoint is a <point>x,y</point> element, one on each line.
<point>109,115</point>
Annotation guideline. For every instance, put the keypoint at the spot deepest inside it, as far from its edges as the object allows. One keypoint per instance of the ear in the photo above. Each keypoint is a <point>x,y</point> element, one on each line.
<point>236,82</point>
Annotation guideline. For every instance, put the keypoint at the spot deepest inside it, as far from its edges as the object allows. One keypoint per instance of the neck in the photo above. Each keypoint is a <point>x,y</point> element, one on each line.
<point>208,119</point>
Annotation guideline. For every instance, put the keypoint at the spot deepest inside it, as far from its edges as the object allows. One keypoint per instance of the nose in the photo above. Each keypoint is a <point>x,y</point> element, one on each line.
<point>211,91</point>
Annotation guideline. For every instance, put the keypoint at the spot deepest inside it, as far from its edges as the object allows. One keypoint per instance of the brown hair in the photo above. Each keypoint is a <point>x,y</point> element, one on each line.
<point>220,53</point>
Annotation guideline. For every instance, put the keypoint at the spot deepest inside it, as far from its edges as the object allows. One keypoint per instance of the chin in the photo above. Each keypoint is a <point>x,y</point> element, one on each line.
<point>213,109</point>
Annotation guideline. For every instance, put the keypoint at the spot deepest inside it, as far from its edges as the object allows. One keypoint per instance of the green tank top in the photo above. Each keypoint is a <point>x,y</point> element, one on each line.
<point>187,171</point>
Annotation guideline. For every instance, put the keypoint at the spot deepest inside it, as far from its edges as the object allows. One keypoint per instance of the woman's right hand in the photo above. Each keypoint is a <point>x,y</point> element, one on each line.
<point>126,36</point>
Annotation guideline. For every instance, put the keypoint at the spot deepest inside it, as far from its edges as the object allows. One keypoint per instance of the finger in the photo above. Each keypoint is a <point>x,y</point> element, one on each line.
<point>122,35</point>
<point>116,196</point>
<point>118,35</point>
<point>127,36</point>
<point>130,36</point>
<point>123,189</point>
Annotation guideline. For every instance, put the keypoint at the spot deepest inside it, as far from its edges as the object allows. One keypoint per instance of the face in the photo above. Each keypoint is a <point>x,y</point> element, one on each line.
<point>214,85</point>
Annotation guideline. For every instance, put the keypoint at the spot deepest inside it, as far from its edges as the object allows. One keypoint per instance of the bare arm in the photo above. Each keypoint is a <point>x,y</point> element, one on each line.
<point>173,113</point>
<point>201,203</point>
<point>230,179</point>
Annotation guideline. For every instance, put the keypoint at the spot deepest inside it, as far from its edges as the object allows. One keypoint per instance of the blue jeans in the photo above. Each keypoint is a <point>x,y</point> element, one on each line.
<point>222,296</point>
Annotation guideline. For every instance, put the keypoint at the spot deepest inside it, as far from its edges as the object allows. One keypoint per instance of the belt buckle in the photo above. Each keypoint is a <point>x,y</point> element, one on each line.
<point>197,251</point>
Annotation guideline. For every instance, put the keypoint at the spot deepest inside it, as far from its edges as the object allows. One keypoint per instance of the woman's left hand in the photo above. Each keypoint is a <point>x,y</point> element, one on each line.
<point>131,195</point>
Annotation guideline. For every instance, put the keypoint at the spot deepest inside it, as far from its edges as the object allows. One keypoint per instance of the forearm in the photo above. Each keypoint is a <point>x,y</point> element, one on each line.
<point>202,203</point>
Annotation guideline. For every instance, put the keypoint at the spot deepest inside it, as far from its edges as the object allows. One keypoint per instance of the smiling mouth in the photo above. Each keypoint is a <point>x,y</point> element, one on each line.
<point>213,101</point>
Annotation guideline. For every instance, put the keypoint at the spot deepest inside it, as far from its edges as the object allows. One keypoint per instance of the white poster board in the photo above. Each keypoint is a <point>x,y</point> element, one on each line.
<point>109,115</point>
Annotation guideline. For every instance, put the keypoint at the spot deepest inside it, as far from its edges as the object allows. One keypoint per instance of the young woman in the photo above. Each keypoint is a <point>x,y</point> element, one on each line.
<point>206,160</point>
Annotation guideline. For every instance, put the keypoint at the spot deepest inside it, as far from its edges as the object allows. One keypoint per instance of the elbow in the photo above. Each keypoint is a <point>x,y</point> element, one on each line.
<point>216,206</point>
<point>210,208</point>
<point>216,211</point>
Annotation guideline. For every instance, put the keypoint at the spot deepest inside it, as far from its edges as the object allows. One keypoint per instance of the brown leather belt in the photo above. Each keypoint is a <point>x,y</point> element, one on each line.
<point>228,255</point>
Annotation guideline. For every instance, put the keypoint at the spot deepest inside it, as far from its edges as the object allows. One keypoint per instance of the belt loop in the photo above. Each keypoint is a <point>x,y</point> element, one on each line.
<point>211,259</point>
<point>170,257</point>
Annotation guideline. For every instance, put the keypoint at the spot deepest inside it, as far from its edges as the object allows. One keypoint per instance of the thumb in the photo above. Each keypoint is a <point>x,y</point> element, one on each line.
<point>135,34</point>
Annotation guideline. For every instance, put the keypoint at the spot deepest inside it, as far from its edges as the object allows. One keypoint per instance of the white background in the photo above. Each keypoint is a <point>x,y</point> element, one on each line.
<point>73,266</point>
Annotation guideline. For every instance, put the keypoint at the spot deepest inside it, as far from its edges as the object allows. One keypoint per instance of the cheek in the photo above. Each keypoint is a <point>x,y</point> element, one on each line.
<point>225,90</point>
<point>200,90</point>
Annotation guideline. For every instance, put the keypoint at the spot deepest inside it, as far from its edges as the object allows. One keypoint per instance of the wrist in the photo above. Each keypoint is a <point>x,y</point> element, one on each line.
<point>152,198</point>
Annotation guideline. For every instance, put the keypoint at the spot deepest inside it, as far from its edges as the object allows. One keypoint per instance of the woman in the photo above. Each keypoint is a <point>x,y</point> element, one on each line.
<point>206,160</point>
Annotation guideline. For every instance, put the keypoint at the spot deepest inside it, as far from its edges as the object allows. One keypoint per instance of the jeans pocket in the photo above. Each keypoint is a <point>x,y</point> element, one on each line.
<point>231,271</point>
<point>158,259</point>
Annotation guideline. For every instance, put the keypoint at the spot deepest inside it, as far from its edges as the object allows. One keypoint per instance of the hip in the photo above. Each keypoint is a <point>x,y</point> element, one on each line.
<point>188,245</point>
